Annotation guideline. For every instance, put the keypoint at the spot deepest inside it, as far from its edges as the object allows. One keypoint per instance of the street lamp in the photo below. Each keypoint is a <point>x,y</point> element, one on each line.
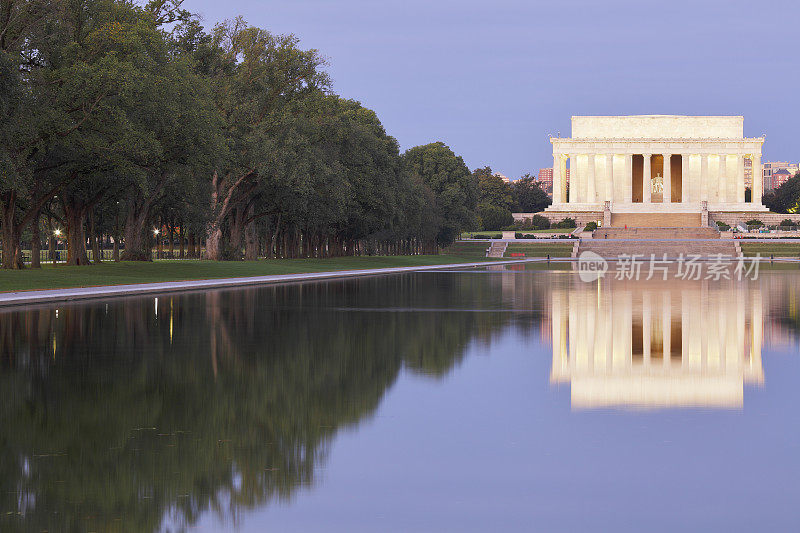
<point>57,233</point>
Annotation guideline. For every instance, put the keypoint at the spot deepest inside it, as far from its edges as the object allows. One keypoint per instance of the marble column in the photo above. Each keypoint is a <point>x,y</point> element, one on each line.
<point>713,181</point>
<point>591,193</point>
<point>610,177</point>
<point>667,194</point>
<point>740,178</point>
<point>628,178</point>
<point>723,177</point>
<point>557,180</point>
<point>647,182</point>
<point>703,177</point>
<point>687,192</point>
<point>575,195</point>
<point>758,179</point>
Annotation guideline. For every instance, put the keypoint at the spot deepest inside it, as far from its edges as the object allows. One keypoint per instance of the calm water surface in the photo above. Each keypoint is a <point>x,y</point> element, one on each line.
<point>450,401</point>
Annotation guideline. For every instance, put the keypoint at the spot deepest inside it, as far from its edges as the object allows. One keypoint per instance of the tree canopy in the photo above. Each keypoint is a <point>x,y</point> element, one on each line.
<point>130,121</point>
<point>786,198</point>
<point>529,197</point>
<point>453,186</point>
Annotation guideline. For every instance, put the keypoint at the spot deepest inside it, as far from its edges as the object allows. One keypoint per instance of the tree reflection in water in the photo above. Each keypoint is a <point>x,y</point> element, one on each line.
<point>132,414</point>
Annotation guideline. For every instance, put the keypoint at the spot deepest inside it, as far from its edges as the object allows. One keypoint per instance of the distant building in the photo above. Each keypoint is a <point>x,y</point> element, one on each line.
<point>777,172</point>
<point>502,177</point>
<point>779,177</point>
<point>545,179</point>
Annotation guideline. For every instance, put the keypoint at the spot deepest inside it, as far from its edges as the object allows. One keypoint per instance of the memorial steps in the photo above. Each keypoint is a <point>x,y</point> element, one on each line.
<point>613,248</point>
<point>656,220</point>
<point>497,249</point>
<point>656,233</point>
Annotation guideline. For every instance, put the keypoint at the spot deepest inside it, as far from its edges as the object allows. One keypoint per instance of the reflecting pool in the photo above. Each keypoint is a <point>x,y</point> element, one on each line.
<point>461,400</point>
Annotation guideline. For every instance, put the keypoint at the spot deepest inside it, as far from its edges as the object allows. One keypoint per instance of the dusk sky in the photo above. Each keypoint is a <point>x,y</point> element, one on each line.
<point>493,79</point>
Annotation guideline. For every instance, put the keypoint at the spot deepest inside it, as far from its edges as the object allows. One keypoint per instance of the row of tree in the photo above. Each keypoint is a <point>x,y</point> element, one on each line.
<point>118,119</point>
<point>498,198</point>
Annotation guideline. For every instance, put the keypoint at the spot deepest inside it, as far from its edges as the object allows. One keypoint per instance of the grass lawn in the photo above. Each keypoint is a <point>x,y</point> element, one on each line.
<point>469,234</point>
<point>110,273</point>
<point>467,249</point>
<point>530,249</point>
<point>778,249</point>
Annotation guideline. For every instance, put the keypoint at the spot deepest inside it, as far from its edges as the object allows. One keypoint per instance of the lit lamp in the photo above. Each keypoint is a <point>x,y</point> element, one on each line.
<point>57,233</point>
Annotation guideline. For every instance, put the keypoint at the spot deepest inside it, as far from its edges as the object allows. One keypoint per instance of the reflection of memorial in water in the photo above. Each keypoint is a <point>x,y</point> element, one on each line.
<point>656,344</point>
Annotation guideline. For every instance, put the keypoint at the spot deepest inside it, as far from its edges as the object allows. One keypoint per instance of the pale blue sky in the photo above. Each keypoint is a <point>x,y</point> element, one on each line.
<point>492,79</point>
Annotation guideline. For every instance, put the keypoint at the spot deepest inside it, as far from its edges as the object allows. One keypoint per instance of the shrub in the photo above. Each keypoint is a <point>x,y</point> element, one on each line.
<point>786,222</point>
<point>494,217</point>
<point>722,226</point>
<point>755,222</point>
<point>540,222</point>
<point>567,223</point>
<point>591,226</point>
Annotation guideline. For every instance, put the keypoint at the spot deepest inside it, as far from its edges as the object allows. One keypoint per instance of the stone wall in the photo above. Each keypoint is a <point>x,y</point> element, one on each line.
<point>728,217</point>
<point>732,218</point>
<point>657,127</point>
<point>581,218</point>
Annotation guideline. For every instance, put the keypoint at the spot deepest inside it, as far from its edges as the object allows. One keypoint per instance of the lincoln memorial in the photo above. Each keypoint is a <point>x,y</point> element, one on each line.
<point>655,170</point>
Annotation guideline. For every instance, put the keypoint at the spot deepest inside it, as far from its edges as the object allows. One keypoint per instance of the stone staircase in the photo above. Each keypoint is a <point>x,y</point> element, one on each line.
<point>657,233</point>
<point>673,248</point>
<point>497,249</point>
<point>610,243</point>
<point>663,220</point>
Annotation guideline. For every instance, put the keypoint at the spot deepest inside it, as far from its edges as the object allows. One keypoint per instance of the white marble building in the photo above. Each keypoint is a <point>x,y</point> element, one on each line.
<point>655,165</point>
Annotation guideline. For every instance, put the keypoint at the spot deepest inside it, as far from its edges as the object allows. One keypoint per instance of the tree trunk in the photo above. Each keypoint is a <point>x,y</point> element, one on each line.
<point>74,215</point>
<point>250,241</point>
<point>181,239</point>
<point>191,245</point>
<point>12,256</point>
<point>171,227</point>
<point>97,255</point>
<point>136,238</point>
<point>36,243</point>
<point>213,241</point>
<point>159,239</point>
<point>234,244</point>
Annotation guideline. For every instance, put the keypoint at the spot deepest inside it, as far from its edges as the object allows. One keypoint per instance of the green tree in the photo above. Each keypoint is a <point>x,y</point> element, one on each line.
<point>494,218</point>
<point>492,190</point>
<point>529,197</point>
<point>452,184</point>
<point>260,75</point>
<point>786,198</point>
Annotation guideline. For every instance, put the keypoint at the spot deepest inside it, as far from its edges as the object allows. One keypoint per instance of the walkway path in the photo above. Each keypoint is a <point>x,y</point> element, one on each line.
<point>84,293</point>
